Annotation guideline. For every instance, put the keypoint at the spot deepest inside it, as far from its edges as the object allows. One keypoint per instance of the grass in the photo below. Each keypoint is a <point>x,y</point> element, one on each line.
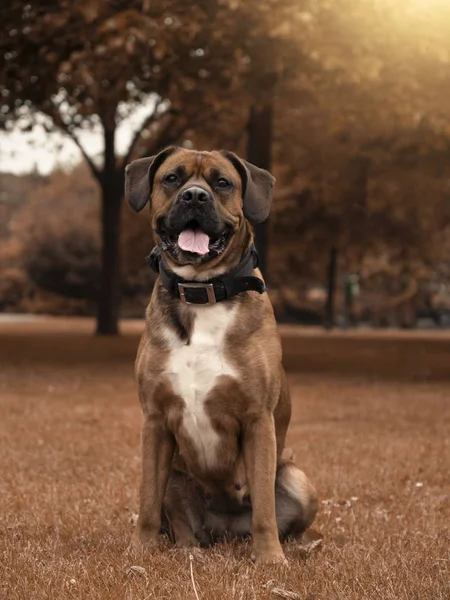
<point>376,448</point>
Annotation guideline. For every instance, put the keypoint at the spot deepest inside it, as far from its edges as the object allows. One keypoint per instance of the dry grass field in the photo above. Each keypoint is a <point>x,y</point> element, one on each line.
<point>376,446</point>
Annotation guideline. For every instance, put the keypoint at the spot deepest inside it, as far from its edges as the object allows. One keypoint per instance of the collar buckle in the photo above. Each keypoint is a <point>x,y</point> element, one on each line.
<point>209,287</point>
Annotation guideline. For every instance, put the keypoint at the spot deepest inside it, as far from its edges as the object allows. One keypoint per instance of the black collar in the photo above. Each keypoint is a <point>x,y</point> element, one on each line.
<point>240,279</point>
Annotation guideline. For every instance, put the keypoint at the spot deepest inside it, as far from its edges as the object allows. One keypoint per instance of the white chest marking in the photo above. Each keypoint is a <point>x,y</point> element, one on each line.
<point>193,371</point>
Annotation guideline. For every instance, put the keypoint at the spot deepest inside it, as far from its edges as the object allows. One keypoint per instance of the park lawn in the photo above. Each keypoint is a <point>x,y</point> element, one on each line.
<point>376,448</point>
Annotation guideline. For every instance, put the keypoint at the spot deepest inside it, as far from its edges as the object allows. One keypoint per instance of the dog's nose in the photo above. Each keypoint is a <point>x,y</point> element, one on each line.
<point>195,195</point>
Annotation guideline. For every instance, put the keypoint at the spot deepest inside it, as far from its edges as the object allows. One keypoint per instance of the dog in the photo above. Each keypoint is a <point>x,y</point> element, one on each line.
<point>209,374</point>
<point>203,517</point>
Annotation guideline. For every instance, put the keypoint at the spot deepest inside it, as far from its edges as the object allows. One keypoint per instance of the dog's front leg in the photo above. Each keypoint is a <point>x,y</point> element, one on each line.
<point>157,454</point>
<point>260,465</point>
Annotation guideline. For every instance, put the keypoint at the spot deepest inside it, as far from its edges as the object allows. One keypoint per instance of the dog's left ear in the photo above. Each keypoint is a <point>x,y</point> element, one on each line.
<point>139,176</point>
<point>257,188</point>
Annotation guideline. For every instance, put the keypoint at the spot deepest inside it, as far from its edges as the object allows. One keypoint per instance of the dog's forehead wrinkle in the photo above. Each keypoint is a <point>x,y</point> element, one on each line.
<point>220,168</point>
<point>179,169</point>
<point>198,163</point>
<point>215,173</point>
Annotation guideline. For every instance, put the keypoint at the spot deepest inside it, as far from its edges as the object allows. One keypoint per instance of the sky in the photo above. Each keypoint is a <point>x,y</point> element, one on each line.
<point>40,151</point>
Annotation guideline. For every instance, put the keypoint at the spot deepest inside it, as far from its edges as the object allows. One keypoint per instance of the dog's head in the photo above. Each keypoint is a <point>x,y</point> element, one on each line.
<point>200,202</point>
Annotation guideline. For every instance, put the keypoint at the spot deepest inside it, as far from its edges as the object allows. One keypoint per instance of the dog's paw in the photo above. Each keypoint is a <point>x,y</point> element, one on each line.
<point>187,543</point>
<point>270,557</point>
<point>144,538</point>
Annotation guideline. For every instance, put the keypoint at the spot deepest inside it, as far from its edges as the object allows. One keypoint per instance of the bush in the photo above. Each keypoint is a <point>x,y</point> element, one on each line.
<point>65,261</point>
<point>50,247</point>
<point>58,233</point>
<point>14,286</point>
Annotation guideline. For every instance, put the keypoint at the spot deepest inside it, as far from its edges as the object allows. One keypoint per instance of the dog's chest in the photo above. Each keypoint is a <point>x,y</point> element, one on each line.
<point>194,370</point>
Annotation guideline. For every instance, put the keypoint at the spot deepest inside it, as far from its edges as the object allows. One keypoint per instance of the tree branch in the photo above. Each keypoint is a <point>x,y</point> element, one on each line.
<point>94,170</point>
<point>55,115</point>
<point>152,117</point>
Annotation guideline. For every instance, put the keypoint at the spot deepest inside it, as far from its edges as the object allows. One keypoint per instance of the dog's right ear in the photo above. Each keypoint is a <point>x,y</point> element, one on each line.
<point>139,178</point>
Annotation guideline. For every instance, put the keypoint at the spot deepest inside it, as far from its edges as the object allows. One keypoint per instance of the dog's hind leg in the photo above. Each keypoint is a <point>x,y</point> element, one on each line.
<point>184,507</point>
<point>296,501</point>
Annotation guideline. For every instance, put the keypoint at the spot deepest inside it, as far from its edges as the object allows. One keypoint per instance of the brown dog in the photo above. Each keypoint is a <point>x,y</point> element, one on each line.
<point>209,372</point>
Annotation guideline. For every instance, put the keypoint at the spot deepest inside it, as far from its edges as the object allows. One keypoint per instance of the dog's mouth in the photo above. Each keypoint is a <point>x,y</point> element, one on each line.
<point>192,243</point>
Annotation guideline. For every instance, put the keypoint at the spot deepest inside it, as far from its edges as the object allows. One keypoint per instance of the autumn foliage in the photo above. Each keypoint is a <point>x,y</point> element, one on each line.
<point>345,101</point>
<point>50,250</point>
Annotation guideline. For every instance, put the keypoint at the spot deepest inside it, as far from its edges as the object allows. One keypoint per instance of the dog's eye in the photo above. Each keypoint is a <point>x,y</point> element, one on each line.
<point>171,178</point>
<point>223,183</point>
<point>238,487</point>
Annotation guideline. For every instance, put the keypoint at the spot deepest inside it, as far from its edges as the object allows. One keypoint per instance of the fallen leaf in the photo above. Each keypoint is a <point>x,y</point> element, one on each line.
<point>310,541</point>
<point>279,593</point>
<point>136,570</point>
<point>313,545</point>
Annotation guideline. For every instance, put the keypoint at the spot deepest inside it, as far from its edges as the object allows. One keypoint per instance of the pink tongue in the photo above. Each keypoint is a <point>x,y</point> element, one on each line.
<point>194,240</point>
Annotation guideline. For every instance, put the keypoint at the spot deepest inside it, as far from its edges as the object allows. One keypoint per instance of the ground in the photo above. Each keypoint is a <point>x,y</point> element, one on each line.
<point>370,426</point>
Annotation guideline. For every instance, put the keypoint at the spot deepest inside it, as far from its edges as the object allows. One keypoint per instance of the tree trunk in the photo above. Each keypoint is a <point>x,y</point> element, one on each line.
<point>329,320</point>
<point>259,146</point>
<point>112,192</point>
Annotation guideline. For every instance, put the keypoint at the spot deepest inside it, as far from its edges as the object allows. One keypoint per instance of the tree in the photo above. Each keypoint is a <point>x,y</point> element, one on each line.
<point>370,112</point>
<point>73,66</point>
<point>89,65</point>
<point>321,90</point>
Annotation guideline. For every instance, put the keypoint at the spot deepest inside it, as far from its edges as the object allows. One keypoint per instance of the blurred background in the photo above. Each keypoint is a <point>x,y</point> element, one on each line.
<point>345,101</point>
